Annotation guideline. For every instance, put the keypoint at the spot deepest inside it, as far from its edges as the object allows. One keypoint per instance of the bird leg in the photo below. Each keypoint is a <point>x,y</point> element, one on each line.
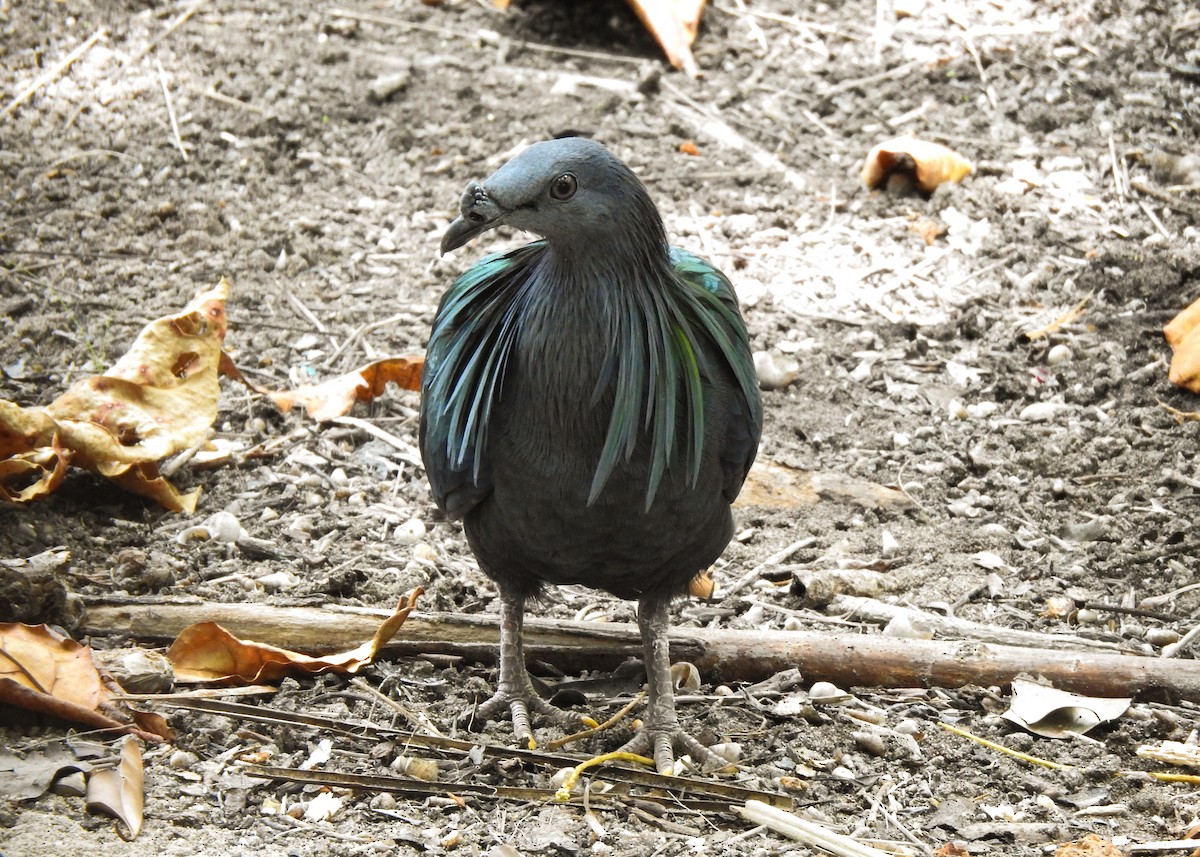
<point>662,736</point>
<point>515,691</point>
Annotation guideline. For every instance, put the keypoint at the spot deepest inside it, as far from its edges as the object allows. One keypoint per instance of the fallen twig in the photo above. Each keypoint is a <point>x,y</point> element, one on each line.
<point>809,832</point>
<point>53,72</point>
<point>162,81</point>
<point>848,660</point>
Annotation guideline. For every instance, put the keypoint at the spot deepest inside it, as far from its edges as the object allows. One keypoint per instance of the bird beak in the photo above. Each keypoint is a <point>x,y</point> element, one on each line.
<point>479,214</point>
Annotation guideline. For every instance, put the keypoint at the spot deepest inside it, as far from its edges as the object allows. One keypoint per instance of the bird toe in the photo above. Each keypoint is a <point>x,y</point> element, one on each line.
<point>520,709</point>
<point>662,743</point>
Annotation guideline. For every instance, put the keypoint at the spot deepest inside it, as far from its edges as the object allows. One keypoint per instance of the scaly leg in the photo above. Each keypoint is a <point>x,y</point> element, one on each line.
<point>662,736</point>
<point>515,691</point>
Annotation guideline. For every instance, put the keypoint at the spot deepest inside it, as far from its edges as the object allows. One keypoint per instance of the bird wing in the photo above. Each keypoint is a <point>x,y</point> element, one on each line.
<point>473,334</point>
<point>715,307</point>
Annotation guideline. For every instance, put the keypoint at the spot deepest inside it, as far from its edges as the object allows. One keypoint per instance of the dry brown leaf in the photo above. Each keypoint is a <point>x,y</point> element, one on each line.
<point>158,399</point>
<point>909,162</point>
<point>674,23</point>
<point>120,791</point>
<point>335,397</point>
<point>206,652</point>
<point>43,671</point>
<point>39,659</point>
<point>1183,335</point>
<point>777,486</point>
<point>1089,846</point>
<point>1178,328</point>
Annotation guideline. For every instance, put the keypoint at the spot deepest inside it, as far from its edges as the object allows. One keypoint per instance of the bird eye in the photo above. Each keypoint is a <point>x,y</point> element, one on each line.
<point>564,187</point>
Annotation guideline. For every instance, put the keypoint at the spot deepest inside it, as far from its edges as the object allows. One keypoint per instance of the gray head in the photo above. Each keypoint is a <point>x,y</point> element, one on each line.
<point>573,192</point>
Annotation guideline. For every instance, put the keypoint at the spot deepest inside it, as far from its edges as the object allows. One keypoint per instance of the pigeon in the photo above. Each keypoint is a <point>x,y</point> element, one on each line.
<point>589,411</point>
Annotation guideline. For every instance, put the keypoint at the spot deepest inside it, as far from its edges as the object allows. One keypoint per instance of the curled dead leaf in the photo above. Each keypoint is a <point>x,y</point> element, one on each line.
<point>120,791</point>
<point>906,162</point>
<point>44,671</point>
<point>159,398</point>
<point>335,397</point>
<point>674,23</point>
<point>1183,335</point>
<point>206,652</point>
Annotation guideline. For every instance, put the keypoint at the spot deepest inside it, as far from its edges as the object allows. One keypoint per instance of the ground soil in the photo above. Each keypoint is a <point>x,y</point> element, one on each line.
<point>326,153</point>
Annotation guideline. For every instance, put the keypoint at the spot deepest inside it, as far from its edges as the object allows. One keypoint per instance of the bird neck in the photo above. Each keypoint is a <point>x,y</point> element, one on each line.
<point>598,272</point>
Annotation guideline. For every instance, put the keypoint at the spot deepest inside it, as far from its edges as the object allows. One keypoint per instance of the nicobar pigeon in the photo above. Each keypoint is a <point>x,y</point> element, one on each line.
<point>589,409</point>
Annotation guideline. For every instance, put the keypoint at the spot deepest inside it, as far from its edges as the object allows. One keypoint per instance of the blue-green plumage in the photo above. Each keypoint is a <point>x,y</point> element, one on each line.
<point>590,407</point>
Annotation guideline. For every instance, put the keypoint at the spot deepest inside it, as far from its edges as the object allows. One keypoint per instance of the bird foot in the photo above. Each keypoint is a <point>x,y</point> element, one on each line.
<point>519,706</point>
<point>660,743</point>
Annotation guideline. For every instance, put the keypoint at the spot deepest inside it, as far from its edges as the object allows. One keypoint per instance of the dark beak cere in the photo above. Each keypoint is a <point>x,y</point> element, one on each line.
<point>479,214</point>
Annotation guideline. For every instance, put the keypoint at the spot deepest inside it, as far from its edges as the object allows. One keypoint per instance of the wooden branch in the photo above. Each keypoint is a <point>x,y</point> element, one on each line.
<point>846,660</point>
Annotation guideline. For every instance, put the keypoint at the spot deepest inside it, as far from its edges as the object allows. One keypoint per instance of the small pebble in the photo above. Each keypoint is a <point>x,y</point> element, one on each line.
<point>774,370</point>
<point>825,690</point>
<point>182,760</point>
<point>383,800</point>
<point>1040,412</point>
<point>278,581</point>
<point>1161,636</point>
<point>908,628</point>
<point>1058,355</point>
<point>387,86</point>
<point>410,532</point>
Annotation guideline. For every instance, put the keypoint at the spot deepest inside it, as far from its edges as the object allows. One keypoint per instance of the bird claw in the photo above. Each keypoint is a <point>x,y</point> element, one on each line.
<point>519,707</point>
<point>661,744</point>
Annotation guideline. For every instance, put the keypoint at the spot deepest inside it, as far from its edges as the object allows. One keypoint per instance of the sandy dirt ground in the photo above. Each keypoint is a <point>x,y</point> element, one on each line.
<point>1037,484</point>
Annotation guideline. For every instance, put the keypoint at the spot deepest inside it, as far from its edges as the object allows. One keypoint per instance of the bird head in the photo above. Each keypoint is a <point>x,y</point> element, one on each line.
<point>572,191</point>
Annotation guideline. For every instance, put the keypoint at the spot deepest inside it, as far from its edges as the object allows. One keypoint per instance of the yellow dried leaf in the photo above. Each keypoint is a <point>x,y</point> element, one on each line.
<point>909,162</point>
<point>674,24</point>
<point>158,399</point>
<point>335,397</point>
<point>1183,335</point>
<point>1178,328</point>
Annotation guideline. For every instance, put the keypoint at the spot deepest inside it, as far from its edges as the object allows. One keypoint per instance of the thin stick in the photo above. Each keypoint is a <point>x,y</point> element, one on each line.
<point>230,100</point>
<point>54,72</point>
<point>1145,206</point>
<point>172,27</point>
<point>361,332</point>
<point>774,559</point>
<point>162,81</point>
<point>809,832</point>
<point>1000,748</point>
<point>987,90</point>
<point>407,453</point>
<point>305,313</point>
<point>1116,167</point>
